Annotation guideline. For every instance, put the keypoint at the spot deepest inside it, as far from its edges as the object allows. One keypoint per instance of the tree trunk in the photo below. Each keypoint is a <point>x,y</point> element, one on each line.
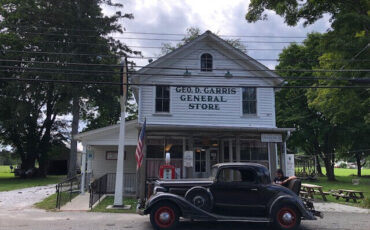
<point>75,121</point>
<point>318,166</point>
<point>359,166</point>
<point>329,168</point>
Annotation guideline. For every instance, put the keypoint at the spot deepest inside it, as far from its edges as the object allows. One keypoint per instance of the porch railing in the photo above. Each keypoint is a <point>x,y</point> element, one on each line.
<point>67,190</point>
<point>106,185</point>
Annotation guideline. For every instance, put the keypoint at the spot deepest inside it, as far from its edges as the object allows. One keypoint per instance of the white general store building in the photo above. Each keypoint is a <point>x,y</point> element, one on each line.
<point>206,99</point>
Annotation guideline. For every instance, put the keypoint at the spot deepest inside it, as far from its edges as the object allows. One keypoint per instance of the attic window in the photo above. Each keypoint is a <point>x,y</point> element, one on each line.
<point>206,62</point>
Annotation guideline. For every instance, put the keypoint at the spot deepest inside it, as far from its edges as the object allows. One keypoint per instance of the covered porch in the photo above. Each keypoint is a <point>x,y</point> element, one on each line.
<point>195,149</point>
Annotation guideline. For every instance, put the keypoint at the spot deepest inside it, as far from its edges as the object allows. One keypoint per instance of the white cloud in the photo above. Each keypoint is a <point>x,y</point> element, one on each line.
<point>219,16</point>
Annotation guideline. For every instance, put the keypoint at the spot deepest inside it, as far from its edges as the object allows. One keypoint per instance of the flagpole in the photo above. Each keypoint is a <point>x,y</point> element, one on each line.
<point>118,192</point>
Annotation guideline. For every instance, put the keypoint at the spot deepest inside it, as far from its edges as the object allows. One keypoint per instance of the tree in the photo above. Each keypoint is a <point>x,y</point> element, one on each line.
<point>345,109</point>
<point>30,114</point>
<point>191,34</point>
<point>309,11</point>
<point>314,135</point>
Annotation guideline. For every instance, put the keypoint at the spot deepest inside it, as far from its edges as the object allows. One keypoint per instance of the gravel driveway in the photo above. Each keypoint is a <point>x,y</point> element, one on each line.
<point>24,198</point>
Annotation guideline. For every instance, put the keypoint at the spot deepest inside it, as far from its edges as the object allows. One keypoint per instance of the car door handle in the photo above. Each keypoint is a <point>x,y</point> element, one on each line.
<point>254,189</point>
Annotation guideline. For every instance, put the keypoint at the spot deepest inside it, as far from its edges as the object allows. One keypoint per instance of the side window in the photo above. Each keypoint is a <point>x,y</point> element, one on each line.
<point>206,62</point>
<point>229,175</point>
<point>248,175</point>
<point>237,175</point>
<point>162,98</point>
<point>249,100</point>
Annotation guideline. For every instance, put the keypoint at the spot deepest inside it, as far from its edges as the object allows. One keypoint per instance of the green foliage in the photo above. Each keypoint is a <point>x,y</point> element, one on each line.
<point>31,114</point>
<point>338,118</point>
<point>343,165</point>
<point>309,11</point>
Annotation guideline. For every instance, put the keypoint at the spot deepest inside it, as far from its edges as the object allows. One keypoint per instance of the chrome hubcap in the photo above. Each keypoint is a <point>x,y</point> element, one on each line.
<point>164,217</point>
<point>287,217</point>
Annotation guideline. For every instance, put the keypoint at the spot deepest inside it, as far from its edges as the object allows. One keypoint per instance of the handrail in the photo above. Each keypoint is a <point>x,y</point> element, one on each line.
<point>66,189</point>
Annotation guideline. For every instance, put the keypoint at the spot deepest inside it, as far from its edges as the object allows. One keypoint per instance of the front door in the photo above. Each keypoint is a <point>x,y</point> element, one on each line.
<point>201,162</point>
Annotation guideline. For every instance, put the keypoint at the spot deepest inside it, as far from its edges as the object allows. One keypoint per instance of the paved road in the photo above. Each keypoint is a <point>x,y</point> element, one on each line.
<point>40,220</point>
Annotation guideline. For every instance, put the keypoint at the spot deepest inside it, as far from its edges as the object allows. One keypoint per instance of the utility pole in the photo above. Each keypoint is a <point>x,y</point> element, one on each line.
<point>118,193</point>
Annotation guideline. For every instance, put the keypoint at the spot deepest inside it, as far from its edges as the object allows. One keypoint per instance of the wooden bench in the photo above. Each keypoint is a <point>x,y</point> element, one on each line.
<point>303,194</point>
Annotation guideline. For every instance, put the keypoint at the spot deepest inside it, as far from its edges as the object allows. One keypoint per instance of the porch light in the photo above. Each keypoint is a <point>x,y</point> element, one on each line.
<point>228,74</point>
<point>187,73</point>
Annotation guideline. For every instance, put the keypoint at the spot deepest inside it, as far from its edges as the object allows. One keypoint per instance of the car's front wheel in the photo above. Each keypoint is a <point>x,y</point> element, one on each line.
<point>164,216</point>
<point>286,217</point>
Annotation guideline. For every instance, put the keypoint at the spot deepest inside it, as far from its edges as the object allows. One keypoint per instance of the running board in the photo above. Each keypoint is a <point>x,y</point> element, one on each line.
<point>221,218</point>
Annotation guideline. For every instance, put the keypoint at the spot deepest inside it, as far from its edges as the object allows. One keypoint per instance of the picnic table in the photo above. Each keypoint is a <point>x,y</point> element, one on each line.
<point>312,189</point>
<point>348,194</point>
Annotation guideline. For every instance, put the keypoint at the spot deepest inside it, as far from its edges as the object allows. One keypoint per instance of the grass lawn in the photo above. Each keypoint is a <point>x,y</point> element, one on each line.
<point>101,207</point>
<point>9,182</point>
<point>49,202</point>
<point>344,181</point>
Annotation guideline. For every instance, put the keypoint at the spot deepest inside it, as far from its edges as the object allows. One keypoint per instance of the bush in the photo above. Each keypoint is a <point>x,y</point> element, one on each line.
<point>343,165</point>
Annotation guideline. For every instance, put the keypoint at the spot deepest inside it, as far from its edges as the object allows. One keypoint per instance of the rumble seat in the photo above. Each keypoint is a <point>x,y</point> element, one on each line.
<point>295,186</point>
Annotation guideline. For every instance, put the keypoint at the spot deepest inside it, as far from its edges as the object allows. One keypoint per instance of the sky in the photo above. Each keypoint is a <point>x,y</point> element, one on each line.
<point>219,16</point>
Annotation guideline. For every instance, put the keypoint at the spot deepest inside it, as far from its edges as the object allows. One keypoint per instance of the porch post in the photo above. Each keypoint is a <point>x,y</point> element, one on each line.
<point>283,158</point>
<point>83,170</point>
<point>89,164</point>
<point>272,158</point>
<point>231,150</point>
<point>183,151</point>
<point>237,148</point>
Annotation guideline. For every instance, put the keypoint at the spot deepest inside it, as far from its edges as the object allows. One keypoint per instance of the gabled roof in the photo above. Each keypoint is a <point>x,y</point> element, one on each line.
<point>224,44</point>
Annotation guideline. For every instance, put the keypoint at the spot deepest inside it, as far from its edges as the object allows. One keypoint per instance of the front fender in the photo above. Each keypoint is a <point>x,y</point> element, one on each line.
<point>187,209</point>
<point>293,200</point>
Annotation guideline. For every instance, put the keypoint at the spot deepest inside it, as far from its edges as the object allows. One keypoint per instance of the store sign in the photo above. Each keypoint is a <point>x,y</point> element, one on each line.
<point>271,137</point>
<point>188,159</point>
<point>289,165</point>
<point>204,98</point>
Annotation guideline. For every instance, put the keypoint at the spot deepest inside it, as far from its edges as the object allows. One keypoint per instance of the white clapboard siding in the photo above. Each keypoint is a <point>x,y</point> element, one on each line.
<point>101,166</point>
<point>230,113</point>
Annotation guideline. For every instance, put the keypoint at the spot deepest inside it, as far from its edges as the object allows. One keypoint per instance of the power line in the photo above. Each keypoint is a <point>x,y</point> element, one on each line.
<point>174,85</point>
<point>161,34</point>
<point>149,39</point>
<point>152,57</point>
<point>110,73</point>
<point>62,63</point>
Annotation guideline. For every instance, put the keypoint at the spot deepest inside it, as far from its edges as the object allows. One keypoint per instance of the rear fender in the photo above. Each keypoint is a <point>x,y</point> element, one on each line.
<point>295,201</point>
<point>187,209</point>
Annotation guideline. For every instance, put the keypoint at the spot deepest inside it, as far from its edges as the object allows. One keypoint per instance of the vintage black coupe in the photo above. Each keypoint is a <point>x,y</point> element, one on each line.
<point>235,192</point>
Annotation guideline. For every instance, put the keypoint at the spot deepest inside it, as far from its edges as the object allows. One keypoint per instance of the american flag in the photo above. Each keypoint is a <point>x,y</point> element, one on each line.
<point>139,148</point>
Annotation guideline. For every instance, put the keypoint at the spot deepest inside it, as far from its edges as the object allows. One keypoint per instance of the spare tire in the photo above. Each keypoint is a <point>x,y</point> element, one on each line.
<point>200,197</point>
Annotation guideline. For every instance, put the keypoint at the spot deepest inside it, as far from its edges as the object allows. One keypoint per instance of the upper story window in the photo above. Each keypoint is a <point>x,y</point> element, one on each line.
<point>249,101</point>
<point>162,98</point>
<point>206,62</point>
